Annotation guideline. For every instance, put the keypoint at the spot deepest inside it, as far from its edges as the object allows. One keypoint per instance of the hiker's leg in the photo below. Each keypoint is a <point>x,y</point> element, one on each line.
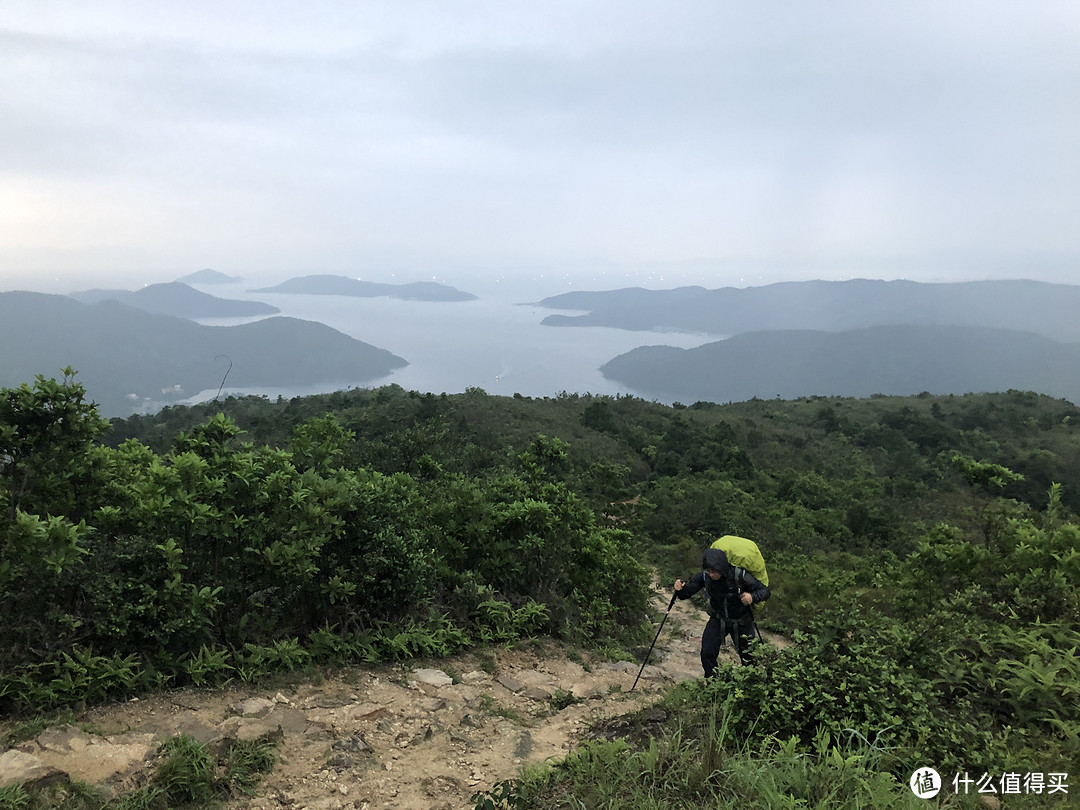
<point>742,635</point>
<point>711,639</point>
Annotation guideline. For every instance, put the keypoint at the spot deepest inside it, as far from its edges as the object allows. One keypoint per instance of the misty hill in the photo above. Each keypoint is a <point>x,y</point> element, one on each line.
<point>179,300</point>
<point>126,357</point>
<point>1029,306</point>
<point>892,360</point>
<point>208,276</point>
<point>342,285</point>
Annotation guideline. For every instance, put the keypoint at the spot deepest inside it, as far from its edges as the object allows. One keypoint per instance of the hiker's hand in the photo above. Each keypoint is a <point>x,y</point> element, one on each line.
<point>747,599</point>
<point>678,585</point>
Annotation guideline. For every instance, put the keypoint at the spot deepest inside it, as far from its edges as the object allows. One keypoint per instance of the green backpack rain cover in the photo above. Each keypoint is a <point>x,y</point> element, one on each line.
<point>744,554</point>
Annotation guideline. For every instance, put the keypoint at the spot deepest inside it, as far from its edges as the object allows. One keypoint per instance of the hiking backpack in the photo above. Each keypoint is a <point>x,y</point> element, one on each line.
<point>743,553</point>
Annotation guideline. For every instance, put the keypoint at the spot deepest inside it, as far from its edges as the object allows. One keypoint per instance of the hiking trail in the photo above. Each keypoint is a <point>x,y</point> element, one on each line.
<point>416,736</point>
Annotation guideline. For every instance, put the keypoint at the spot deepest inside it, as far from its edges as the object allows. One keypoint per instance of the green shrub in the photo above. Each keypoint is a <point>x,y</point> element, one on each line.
<point>186,772</point>
<point>842,677</point>
<point>247,761</point>
<point>496,620</point>
<point>189,775</point>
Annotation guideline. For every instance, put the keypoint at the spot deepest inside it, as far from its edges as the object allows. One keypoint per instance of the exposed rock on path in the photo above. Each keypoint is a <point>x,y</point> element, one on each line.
<point>413,738</point>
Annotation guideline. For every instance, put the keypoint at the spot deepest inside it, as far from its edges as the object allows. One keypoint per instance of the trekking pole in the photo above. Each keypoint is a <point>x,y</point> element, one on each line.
<point>753,621</point>
<point>658,629</point>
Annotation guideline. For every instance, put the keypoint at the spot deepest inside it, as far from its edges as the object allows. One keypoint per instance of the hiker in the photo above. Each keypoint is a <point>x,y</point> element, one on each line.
<point>731,591</point>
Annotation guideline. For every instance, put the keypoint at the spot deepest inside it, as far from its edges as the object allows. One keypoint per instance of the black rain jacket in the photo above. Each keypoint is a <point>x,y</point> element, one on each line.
<point>723,594</point>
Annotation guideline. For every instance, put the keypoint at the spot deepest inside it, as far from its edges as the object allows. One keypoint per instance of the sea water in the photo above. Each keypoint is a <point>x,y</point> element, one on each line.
<point>492,343</point>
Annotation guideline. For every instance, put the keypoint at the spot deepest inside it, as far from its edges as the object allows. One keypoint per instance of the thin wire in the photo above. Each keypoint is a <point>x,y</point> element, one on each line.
<point>222,386</point>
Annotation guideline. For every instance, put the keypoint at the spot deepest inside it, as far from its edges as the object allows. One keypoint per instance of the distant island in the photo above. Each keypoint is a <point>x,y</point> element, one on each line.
<point>132,361</point>
<point>342,285</point>
<point>890,360</point>
<point>208,276</point>
<point>1031,306</point>
<point>179,300</point>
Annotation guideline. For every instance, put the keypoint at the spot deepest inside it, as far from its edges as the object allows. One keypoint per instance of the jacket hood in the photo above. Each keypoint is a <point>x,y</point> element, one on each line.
<point>715,559</point>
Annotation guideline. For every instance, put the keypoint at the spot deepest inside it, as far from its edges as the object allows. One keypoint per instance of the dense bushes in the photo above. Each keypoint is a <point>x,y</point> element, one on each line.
<point>800,474</point>
<point>848,676</point>
<point>221,558</point>
<point>968,662</point>
<point>964,649</point>
<point>932,597</point>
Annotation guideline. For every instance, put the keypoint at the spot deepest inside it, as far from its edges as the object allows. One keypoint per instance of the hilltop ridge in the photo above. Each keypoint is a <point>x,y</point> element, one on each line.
<point>342,285</point>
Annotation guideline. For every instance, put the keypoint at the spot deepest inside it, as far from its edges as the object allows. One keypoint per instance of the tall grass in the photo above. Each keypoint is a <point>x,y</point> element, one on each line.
<point>701,762</point>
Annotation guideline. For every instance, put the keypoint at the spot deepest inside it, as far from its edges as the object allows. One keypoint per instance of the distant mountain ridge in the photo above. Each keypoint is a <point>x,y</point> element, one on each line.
<point>179,300</point>
<point>208,276</point>
<point>900,360</point>
<point>1050,310</point>
<point>128,358</point>
<point>342,285</point>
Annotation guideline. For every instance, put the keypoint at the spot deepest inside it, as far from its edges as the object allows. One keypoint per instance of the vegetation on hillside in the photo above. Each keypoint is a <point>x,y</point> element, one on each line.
<point>124,568</point>
<point>924,559</point>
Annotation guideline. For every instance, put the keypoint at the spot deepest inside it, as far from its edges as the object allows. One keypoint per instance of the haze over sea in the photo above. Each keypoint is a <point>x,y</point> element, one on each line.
<point>495,342</point>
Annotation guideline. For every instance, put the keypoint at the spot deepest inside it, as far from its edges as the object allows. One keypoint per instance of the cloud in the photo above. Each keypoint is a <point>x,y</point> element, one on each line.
<point>631,132</point>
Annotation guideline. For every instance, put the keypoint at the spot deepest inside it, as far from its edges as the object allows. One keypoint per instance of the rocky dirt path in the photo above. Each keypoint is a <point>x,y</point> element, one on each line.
<point>425,736</point>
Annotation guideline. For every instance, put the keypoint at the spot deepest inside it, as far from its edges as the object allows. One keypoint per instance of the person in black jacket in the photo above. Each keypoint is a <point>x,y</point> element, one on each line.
<point>730,593</point>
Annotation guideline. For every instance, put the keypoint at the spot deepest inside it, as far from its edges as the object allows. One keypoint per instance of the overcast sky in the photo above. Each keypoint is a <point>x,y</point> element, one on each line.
<point>701,141</point>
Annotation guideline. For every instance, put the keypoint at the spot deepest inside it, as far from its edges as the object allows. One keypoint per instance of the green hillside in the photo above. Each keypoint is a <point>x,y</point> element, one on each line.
<point>924,555</point>
<point>129,359</point>
<point>1014,304</point>
<point>898,360</point>
<point>179,300</point>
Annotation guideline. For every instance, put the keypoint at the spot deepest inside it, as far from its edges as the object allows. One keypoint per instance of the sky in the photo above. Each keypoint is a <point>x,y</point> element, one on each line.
<point>692,141</point>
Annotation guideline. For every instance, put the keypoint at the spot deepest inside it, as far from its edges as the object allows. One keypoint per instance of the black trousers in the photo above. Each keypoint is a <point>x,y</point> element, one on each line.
<point>741,632</point>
